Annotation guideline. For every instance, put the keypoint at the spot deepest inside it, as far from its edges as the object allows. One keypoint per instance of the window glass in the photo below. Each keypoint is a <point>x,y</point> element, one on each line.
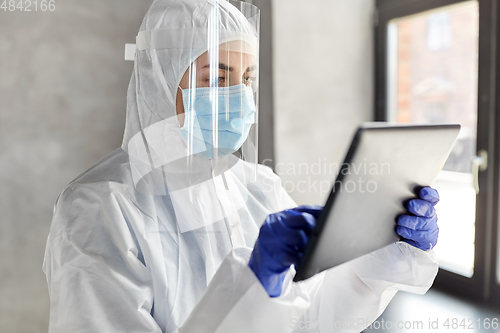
<point>433,77</point>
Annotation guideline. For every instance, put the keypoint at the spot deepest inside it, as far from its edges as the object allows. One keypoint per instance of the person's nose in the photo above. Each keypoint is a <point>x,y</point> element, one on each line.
<point>236,78</point>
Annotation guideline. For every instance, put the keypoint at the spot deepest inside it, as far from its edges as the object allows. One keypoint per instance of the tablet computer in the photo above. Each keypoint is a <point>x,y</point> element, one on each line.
<point>384,166</point>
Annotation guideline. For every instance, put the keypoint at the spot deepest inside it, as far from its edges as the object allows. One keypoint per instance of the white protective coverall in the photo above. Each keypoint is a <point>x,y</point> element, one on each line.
<point>135,246</point>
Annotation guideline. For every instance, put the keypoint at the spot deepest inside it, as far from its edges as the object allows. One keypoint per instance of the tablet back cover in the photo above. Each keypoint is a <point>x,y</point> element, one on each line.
<point>383,168</point>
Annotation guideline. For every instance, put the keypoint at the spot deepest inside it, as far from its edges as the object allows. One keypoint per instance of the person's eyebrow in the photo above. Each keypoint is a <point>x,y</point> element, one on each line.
<point>222,66</point>
<point>251,69</point>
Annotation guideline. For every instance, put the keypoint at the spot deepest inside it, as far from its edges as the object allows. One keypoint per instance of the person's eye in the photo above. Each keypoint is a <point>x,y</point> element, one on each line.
<point>248,79</point>
<point>220,80</point>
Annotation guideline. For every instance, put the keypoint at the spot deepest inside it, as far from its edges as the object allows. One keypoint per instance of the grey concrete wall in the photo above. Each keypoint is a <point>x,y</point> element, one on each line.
<point>323,74</point>
<point>63,85</point>
<point>266,87</point>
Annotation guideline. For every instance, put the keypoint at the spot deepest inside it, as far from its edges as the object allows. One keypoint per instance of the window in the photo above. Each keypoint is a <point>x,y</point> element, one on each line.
<point>436,63</point>
<point>434,81</point>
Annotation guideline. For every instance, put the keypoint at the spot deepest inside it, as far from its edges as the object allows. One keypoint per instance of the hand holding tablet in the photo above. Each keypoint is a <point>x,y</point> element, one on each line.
<point>420,229</point>
<point>357,221</point>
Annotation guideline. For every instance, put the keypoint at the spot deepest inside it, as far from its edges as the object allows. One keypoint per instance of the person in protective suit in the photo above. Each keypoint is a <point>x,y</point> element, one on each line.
<point>162,235</point>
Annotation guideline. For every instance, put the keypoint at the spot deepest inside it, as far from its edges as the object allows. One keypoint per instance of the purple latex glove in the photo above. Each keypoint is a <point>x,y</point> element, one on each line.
<point>282,241</point>
<point>419,228</point>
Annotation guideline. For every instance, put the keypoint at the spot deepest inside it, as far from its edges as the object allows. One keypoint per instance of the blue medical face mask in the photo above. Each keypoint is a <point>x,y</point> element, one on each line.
<point>228,112</point>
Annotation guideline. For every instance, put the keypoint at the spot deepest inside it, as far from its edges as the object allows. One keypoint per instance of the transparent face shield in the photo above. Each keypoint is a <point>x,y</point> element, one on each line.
<point>217,98</point>
<point>210,72</point>
<point>217,102</point>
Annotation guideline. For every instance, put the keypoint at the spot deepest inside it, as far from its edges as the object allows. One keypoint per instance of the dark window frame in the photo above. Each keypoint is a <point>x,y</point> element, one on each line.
<point>483,285</point>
